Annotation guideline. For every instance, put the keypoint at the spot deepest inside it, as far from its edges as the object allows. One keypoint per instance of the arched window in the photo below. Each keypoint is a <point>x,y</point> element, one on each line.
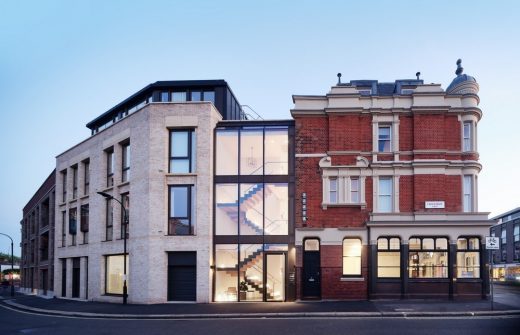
<point>388,257</point>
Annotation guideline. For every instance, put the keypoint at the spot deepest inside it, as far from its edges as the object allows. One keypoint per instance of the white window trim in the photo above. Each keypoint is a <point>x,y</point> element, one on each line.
<point>343,191</point>
<point>472,194</point>
<point>395,193</point>
<point>385,120</point>
<point>472,121</point>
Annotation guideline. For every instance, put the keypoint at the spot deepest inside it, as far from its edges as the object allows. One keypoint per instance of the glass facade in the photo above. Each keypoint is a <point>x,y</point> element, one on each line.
<point>428,257</point>
<point>252,217</point>
<point>468,257</point>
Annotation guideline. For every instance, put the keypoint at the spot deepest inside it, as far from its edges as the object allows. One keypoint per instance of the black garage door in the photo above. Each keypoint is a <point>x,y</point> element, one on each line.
<point>182,276</point>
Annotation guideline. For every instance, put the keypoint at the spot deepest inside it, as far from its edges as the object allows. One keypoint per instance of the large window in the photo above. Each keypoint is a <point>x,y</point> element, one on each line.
<point>110,167</point>
<point>84,222</point>
<point>182,151</point>
<point>262,151</point>
<point>179,96</point>
<point>226,272</point>
<point>428,257</point>
<point>181,219</point>
<point>352,257</point>
<point>114,278</point>
<point>384,138</point>
<point>385,196</point>
<point>468,257</point>
<point>468,193</point>
<point>259,209</point>
<point>125,175</point>
<point>388,257</point>
<point>63,228</point>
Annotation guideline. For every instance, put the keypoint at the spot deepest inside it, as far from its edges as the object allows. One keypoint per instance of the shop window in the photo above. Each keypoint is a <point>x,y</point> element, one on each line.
<point>428,257</point>
<point>468,257</point>
<point>388,257</point>
<point>114,272</point>
<point>352,257</point>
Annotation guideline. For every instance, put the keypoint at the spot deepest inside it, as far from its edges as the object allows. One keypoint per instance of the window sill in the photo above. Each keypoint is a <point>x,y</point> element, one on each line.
<point>181,235</point>
<point>85,196</point>
<point>124,184</point>
<point>352,279</point>
<point>109,188</point>
<point>106,240</point>
<point>356,204</point>
<point>189,174</point>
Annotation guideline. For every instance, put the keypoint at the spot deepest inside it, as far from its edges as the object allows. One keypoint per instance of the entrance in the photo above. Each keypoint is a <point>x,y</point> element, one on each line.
<point>75,277</point>
<point>182,276</point>
<point>275,276</point>
<point>311,279</point>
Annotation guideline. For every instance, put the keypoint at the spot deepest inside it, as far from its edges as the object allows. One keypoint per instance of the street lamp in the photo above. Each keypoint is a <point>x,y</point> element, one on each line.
<point>125,220</point>
<point>12,265</point>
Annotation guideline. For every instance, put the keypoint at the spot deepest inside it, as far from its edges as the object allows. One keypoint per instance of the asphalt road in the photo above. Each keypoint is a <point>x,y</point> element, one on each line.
<point>15,322</point>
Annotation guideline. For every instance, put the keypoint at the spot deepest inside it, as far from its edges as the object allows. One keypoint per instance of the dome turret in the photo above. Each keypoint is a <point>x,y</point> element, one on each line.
<point>463,83</point>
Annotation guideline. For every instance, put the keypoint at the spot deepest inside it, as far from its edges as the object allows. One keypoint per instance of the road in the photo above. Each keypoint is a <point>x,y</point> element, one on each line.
<point>15,322</point>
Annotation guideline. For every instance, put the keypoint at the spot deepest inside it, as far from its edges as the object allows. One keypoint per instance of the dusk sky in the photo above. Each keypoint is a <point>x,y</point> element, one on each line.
<point>63,63</point>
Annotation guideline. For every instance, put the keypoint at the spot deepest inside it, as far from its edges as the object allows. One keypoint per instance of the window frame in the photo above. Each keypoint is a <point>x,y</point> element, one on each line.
<point>189,209</point>
<point>379,139</point>
<point>465,250</point>
<point>74,181</point>
<point>109,220</point>
<point>467,191</point>
<point>110,160</point>
<point>73,224</point>
<point>467,141</point>
<point>433,250</point>
<point>125,155</point>
<point>191,152</point>
<point>64,185</point>
<point>84,216</point>
<point>106,273</point>
<point>86,177</point>
<point>388,249</point>
<point>124,197</point>
<point>380,195</point>
<point>333,180</point>
<point>343,256</point>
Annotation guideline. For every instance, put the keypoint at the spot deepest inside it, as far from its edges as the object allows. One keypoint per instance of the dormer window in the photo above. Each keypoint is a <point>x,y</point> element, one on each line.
<point>406,91</point>
<point>365,92</point>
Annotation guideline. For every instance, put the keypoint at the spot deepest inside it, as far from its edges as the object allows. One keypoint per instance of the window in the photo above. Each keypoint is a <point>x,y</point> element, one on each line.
<point>73,225</point>
<point>333,190</point>
<point>84,222</point>
<point>276,151</point>
<point>114,272</point>
<point>227,152</point>
<point>468,194</point>
<point>63,228</point>
<point>109,220</point>
<point>125,176</point>
<point>209,96</point>
<point>516,240</point>
<point>226,209</point>
<point>388,257</point>
<point>428,257</point>
<point>385,196</point>
<point>226,274</point>
<point>467,138</point>
<point>503,243</point>
<point>354,190</point>
<point>351,257</point>
<point>468,257</point>
<point>74,182</point>
<point>181,220</point>
<point>164,97</point>
<point>384,139</point>
<point>64,185</point>
<point>125,200</point>
<point>179,96</point>
<point>196,96</point>
<point>110,167</point>
<point>182,151</point>
<point>251,151</point>
<point>86,180</point>
<point>276,209</point>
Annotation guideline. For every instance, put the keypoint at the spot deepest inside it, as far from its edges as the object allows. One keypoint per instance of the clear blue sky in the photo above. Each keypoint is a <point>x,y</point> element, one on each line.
<point>62,63</point>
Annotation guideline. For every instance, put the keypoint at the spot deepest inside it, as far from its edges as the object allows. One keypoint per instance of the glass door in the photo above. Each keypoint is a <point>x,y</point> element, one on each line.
<point>275,264</point>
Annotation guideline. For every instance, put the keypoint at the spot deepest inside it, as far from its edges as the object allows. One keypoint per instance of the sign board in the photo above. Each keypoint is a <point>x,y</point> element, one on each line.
<point>434,204</point>
<point>492,243</point>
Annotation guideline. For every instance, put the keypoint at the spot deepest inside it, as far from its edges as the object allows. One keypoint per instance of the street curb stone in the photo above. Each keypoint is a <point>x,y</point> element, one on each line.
<point>22,307</point>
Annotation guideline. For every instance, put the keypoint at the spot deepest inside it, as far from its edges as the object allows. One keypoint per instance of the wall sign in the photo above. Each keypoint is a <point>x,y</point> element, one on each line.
<point>434,204</point>
<point>492,243</point>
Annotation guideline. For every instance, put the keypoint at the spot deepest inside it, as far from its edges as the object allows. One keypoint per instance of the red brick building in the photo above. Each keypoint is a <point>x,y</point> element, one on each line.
<point>386,191</point>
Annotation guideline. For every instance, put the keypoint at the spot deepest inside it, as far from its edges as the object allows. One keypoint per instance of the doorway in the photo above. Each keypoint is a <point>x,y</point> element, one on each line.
<point>275,265</point>
<point>311,277</point>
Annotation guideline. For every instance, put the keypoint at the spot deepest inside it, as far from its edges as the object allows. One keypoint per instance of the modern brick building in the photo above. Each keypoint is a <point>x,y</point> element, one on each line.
<point>507,259</point>
<point>386,191</point>
<point>37,243</point>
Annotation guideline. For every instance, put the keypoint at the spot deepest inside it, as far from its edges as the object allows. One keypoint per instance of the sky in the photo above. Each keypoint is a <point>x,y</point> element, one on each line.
<point>63,63</point>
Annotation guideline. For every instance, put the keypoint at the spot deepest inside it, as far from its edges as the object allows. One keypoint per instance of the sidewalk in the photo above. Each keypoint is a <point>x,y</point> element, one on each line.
<point>388,308</point>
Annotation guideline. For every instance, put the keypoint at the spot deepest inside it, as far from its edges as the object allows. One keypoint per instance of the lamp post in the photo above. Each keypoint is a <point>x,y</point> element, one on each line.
<point>12,265</point>
<point>125,220</point>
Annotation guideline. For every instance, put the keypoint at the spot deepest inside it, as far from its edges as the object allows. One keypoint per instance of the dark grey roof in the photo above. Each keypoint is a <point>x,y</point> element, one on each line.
<point>458,80</point>
<point>385,89</point>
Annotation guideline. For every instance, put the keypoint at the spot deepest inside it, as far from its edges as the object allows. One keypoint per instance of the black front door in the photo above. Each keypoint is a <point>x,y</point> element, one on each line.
<point>75,277</point>
<point>311,280</point>
<point>182,276</point>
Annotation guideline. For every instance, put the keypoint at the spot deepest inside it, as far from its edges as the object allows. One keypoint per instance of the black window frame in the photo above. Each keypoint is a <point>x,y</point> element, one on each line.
<point>84,222</point>
<point>74,181</point>
<point>73,224</point>
<point>109,220</point>
<point>110,160</point>
<point>64,185</point>
<point>171,230</point>
<point>468,250</point>
<point>63,228</point>
<point>191,133</point>
<point>388,250</point>
<point>127,208</point>
<point>125,170</point>
<point>86,177</point>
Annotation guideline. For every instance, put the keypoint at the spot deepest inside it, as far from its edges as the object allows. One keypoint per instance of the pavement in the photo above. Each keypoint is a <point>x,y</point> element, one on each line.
<point>507,302</point>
